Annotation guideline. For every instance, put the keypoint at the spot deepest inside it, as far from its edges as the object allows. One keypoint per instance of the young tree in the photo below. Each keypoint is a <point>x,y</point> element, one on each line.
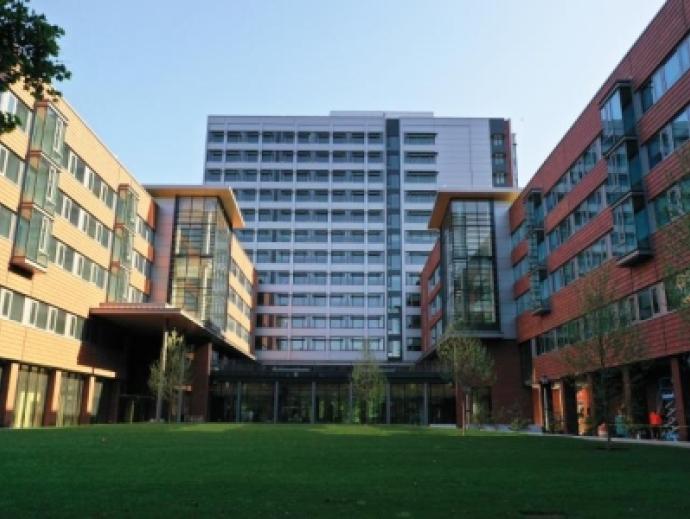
<point>467,361</point>
<point>28,51</point>
<point>607,340</point>
<point>673,217</point>
<point>171,373</point>
<point>368,383</point>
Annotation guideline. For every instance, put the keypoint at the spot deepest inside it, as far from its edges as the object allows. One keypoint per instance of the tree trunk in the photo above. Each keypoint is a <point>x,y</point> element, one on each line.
<point>468,409</point>
<point>605,407</point>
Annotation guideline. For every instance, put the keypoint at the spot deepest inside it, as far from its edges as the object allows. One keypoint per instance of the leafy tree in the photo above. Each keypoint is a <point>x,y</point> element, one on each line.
<point>171,373</point>
<point>28,51</point>
<point>368,384</point>
<point>608,339</point>
<point>674,244</point>
<point>467,361</point>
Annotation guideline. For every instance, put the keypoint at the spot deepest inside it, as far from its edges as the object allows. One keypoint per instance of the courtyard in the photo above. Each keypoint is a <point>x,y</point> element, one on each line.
<point>245,470</point>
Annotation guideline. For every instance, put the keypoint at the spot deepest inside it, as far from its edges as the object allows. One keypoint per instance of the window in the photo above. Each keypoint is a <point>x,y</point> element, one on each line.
<point>412,157</point>
<point>420,138</point>
<point>7,219</point>
<point>44,235</point>
<point>51,186</point>
<point>666,75</point>
<point>58,136</point>
<point>10,165</point>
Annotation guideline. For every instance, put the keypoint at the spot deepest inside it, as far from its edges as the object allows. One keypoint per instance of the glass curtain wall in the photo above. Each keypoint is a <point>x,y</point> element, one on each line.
<point>30,400</point>
<point>407,403</point>
<point>332,402</point>
<point>101,401</point>
<point>294,402</point>
<point>256,402</point>
<point>468,254</point>
<point>201,262</point>
<point>393,225</point>
<point>69,408</point>
<point>441,404</point>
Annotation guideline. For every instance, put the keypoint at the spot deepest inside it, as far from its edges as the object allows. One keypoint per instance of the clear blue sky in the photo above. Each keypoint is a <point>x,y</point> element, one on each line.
<point>147,73</point>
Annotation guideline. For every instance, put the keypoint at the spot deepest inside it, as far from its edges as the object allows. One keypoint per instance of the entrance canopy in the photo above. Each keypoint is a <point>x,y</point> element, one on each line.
<point>154,318</point>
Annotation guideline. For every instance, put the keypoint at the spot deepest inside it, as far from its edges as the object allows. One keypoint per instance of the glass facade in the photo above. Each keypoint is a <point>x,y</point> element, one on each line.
<point>256,401</point>
<point>407,404</point>
<point>441,404</point>
<point>332,402</point>
<point>201,260</point>
<point>617,118</point>
<point>294,402</point>
<point>468,251</point>
<point>30,400</point>
<point>393,253</point>
<point>406,401</point>
<point>71,389</point>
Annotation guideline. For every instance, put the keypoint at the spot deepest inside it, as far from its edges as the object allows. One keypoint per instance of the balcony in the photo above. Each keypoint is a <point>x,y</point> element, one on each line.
<point>630,238</point>
<point>127,200</point>
<point>48,134</point>
<point>40,186</point>
<point>534,210</point>
<point>624,171</point>
<point>617,117</point>
<point>541,305</point>
<point>118,284</point>
<point>32,241</point>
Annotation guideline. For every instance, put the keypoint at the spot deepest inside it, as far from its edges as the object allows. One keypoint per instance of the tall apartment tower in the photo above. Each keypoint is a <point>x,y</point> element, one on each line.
<point>336,210</point>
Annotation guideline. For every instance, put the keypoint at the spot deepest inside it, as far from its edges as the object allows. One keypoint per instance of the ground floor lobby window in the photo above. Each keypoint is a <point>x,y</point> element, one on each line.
<point>30,400</point>
<point>69,408</point>
<point>332,402</point>
<point>407,403</point>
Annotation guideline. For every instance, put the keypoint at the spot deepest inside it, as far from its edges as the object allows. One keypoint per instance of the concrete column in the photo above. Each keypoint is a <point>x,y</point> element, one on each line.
<point>627,391</point>
<point>238,402</point>
<point>87,410</point>
<point>459,407</point>
<point>351,398</point>
<point>388,403</point>
<point>562,406</point>
<point>313,402</point>
<point>52,405</point>
<point>201,371</point>
<point>8,393</point>
<point>545,405</point>
<point>114,402</point>
<point>425,404</point>
<point>537,409</point>
<point>679,394</point>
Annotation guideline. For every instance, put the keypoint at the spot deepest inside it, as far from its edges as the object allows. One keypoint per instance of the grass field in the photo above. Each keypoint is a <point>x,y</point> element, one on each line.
<point>331,471</point>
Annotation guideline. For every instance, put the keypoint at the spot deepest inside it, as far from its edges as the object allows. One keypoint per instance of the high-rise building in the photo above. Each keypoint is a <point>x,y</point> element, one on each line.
<point>336,210</point>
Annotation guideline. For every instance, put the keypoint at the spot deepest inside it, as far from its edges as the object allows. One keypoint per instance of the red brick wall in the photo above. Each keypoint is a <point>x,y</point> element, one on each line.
<point>200,373</point>
<point>661,36</point>
<point>428,321</point>
<point>509,390</point>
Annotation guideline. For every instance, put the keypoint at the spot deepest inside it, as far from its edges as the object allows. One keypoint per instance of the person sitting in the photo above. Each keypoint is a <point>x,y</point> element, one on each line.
<point>620,425</point>
<point>655,423</point>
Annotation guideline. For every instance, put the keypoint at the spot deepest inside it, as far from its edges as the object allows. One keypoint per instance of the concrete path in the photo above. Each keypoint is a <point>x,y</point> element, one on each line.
<point>656,443</point>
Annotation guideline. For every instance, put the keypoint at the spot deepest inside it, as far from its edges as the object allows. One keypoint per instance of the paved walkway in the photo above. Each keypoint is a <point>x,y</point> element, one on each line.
<point>657,443</point>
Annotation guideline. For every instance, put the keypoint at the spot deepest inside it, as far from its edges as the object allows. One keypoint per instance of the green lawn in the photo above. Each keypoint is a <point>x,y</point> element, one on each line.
<point>331,471</point>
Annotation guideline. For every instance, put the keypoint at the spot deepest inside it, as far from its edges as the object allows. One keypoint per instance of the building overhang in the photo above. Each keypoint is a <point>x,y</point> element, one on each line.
<point>224,194</point>
<point>444,197</point>
<point>154,318</point>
